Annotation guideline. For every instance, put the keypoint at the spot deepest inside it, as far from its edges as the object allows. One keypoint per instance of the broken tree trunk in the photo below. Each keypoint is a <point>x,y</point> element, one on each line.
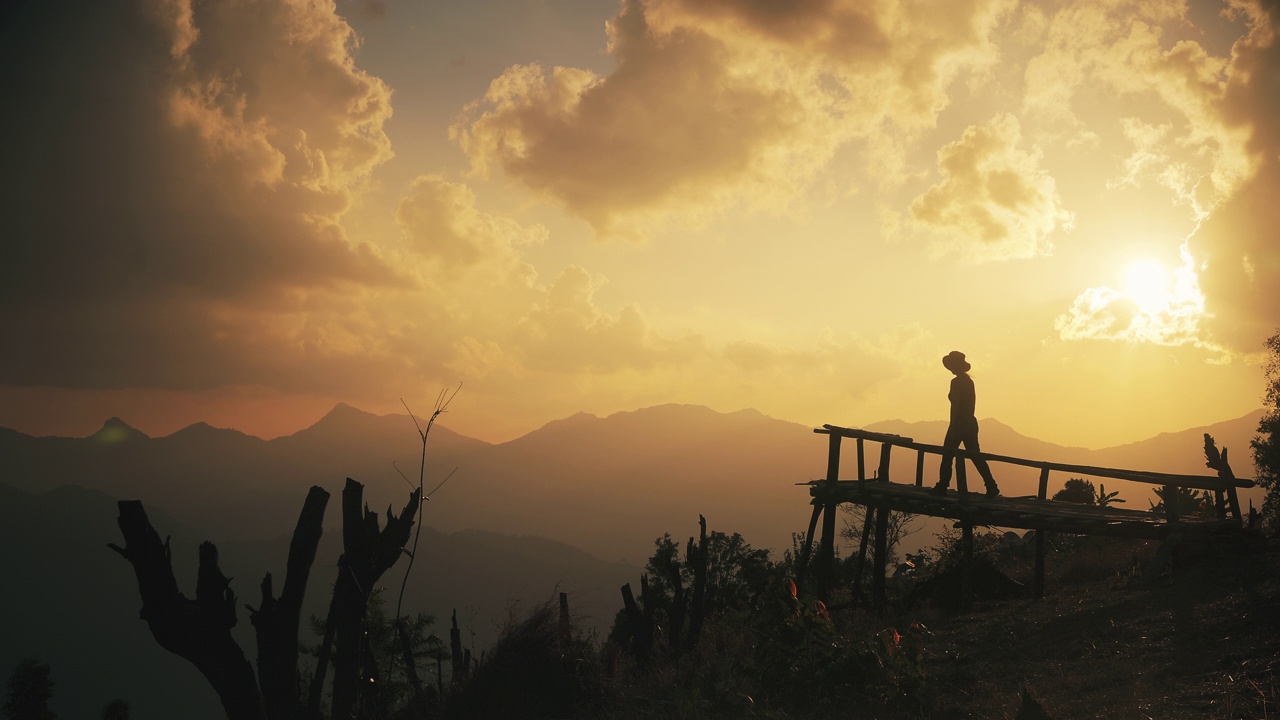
<point>699,603</point>
<point>367,553</point>
<point>641,630</point>
<point>276,619</point>
<point>1218,461</point>
<point>198,630</point>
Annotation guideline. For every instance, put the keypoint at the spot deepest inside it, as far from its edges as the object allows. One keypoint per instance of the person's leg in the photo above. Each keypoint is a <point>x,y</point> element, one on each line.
<point>971,444</point>
<point>950,443</point>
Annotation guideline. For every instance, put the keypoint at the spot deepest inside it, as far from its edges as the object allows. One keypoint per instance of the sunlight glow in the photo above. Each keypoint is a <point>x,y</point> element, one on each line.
<point>1155,305</point>
<point>1148,283</point>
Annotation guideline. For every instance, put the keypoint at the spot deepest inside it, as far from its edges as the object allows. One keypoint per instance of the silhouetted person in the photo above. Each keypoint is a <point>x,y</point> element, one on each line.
<point>964,426</point>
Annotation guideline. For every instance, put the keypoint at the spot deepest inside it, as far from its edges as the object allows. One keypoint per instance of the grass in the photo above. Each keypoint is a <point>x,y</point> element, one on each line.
<point>1129,629</point>
<point>1118,636</point>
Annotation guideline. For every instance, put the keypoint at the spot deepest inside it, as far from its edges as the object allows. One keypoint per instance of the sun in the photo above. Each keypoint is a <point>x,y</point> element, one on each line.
<point>1149,283</point>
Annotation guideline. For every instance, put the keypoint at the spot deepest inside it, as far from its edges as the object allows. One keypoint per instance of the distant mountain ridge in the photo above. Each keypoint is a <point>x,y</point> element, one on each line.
<point>605,484</point>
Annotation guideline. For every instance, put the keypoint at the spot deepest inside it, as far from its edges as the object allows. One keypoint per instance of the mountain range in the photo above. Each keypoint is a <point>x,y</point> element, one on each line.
<point>573,506</point>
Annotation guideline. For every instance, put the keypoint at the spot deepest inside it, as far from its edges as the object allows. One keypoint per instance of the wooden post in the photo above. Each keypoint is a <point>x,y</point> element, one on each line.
<point>862,472</point>
<point>808,544</point>
<point>883,471</point>
<point>1171,503</point>
<point>833,457</point>
<point>966,563</point>
<point>962,482</point>
<point>1042,537</point>
<point>1233,503</point>
<point>882,559</point>
<point>862,554</point>
<point>826,551</point>
<point>919,468</point>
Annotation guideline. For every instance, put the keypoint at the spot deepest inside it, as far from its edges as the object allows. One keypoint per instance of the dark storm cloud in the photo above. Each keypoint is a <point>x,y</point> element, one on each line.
<point>172,186</point>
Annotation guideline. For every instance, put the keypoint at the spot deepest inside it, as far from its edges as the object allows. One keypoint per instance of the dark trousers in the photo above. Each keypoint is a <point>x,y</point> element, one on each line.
<point>963,432</point>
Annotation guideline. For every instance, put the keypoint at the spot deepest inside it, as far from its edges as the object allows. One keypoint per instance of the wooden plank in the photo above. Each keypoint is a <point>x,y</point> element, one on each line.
<point>862,470</point>
<point>1043,491</point>
<point>919,468</point>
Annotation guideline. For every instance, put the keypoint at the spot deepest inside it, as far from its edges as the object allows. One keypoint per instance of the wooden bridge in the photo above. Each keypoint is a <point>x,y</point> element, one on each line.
<point>881,495</point>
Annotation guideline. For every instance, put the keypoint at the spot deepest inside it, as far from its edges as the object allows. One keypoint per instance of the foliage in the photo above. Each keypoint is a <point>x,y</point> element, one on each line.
<point>1266,444</point>
<point>1107,498</point>
<point>1077,490</point>
<point>393,688</point>
<point>735,570</point>
<point>30,688</point>
<point>116,710</point>
<point>534,670</point>
<point>801,653</point>
<point>1187,501</point>
<point>1081,491</point>
<point>898,526</point>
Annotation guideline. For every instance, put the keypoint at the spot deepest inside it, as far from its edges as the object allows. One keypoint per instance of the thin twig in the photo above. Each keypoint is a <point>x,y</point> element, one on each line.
<point>442,406</point>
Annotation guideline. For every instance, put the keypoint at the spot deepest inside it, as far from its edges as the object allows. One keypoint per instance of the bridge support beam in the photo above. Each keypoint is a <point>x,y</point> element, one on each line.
<point>826,551</point>
<point>862,555</point>
<point>807,552</point>
<point>882,559</point>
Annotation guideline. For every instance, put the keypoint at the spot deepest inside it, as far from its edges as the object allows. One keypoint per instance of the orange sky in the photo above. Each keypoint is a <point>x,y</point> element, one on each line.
<point>243,212</point>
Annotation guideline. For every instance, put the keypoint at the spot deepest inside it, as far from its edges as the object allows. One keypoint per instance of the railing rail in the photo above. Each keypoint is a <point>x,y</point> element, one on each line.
<point>1199,482</point>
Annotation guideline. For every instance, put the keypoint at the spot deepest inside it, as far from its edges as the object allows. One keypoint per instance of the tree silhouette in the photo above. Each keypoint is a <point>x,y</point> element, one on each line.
<point>1077,490</point>
<point>30,688</point>
<point>199,629</point>
<point>1266,444</point>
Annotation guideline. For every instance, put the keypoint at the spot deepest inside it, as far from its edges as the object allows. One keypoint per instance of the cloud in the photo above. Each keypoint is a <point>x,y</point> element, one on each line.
<point>1236,246</point>
<point>994,201</point>
<point>1170,318</point>
<point>1215,146</point>
<point>441,222</point>
<point>174,187</point>
<point>714,104</point>
<point>567,333</point>
<point>1130,51</point>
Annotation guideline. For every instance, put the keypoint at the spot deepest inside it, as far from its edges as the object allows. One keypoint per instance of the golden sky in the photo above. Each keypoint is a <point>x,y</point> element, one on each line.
<point>245,211</point>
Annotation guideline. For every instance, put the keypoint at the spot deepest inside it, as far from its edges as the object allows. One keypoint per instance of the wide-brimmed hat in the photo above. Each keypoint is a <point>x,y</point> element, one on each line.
<point>955,362</point>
